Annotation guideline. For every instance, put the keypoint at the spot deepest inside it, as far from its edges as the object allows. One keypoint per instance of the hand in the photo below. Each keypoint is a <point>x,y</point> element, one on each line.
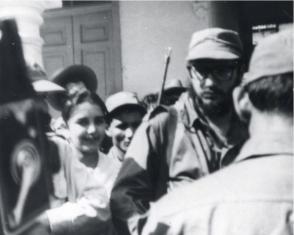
<point>40,227</point>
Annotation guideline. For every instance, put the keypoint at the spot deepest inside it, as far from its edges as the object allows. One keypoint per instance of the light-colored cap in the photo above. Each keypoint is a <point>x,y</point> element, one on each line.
<point>272,56</point>
<point>215,43</point>
<point>45,86</point>
<point>121,100</point>
<point>40,82</point>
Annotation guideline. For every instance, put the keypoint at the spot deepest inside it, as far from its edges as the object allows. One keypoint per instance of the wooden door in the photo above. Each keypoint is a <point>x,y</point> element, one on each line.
<point>57,50</point>
<point>85,35</point>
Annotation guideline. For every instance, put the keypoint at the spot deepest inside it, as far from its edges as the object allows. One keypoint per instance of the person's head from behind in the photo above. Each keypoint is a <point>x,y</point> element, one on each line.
<point>267,87</point>
<point>85,116</point>
<point>214,63</point>
<point>125,115</point>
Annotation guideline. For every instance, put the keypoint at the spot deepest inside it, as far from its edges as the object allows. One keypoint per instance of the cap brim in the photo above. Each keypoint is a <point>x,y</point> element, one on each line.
<point>176,90</point>
<point>44,86</point>
<point>120,108</point>
<point>217,55</point>
<point>211,50</point>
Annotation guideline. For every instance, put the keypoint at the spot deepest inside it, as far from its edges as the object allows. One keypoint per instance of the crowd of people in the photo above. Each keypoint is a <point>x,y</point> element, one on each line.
<point>213,158</point>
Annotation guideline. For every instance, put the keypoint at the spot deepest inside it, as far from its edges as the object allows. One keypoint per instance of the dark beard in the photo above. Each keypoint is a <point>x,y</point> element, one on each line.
<point>216,109</point>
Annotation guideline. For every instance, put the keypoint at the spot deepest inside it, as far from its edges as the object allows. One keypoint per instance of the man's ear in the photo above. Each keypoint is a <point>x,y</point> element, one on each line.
<point>242,103</point>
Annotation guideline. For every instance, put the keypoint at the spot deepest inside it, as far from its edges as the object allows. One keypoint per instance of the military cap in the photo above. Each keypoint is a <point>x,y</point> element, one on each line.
<point>272,56</point>
<point>121,100</point>
<point>215,43</point>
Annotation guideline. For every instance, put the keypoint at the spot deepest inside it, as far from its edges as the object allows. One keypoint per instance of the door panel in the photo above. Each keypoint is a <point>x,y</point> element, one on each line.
<point>56,59</point>
<point>92,40</point>
<point>57,32</point>
<point>98,60</point>
<point>58,41</point>
<point>85,35</point>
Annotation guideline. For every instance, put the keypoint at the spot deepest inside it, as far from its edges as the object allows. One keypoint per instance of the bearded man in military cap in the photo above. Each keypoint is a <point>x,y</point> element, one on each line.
<point>254,195</point>
<point>195,137</point>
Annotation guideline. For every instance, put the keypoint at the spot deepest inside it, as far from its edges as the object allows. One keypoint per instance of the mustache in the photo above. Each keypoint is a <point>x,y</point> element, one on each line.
<point>213,90</point>
<point>91,137</point>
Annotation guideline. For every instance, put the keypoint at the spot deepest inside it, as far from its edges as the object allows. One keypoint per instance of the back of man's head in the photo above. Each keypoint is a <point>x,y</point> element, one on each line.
<point>269,80</point>
<point>273,94</point>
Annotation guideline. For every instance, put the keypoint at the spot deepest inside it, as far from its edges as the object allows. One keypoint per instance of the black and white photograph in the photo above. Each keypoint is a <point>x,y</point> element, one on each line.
<point>161,117</point>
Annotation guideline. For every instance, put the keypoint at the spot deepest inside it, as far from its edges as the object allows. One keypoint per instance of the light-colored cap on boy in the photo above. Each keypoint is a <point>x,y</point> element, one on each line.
<point>121,100</point>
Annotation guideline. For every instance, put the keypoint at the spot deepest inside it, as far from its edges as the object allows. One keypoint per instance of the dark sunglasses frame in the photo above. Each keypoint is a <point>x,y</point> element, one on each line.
<point>221,71</point>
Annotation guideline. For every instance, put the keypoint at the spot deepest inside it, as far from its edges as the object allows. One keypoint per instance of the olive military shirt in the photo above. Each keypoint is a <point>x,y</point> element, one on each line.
<point>174,147</point>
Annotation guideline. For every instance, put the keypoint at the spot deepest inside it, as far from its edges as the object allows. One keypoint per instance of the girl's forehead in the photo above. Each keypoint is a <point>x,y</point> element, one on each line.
<point>86,109</point>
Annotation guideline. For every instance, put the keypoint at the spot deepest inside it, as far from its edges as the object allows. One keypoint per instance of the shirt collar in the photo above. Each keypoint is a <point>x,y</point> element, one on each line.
<point>194,118</point>
<point>185,105</point>
<point>266,144</point>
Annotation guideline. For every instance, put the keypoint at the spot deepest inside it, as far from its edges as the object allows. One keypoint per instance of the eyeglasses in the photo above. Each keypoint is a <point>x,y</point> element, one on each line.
<point>219,72</point>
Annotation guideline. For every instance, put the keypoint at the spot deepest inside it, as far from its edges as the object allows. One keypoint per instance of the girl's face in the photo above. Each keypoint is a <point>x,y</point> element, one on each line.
<point>87,126</point>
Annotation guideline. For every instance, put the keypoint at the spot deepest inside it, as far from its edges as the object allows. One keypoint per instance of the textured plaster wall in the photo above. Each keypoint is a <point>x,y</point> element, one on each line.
<point>147,29</point>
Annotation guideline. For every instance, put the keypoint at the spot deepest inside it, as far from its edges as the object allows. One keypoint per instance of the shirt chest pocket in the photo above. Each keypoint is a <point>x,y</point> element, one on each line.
<point>184,163</point>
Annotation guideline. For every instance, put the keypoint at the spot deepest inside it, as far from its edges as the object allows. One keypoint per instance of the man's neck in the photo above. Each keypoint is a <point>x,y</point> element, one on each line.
<point>267,124</point>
